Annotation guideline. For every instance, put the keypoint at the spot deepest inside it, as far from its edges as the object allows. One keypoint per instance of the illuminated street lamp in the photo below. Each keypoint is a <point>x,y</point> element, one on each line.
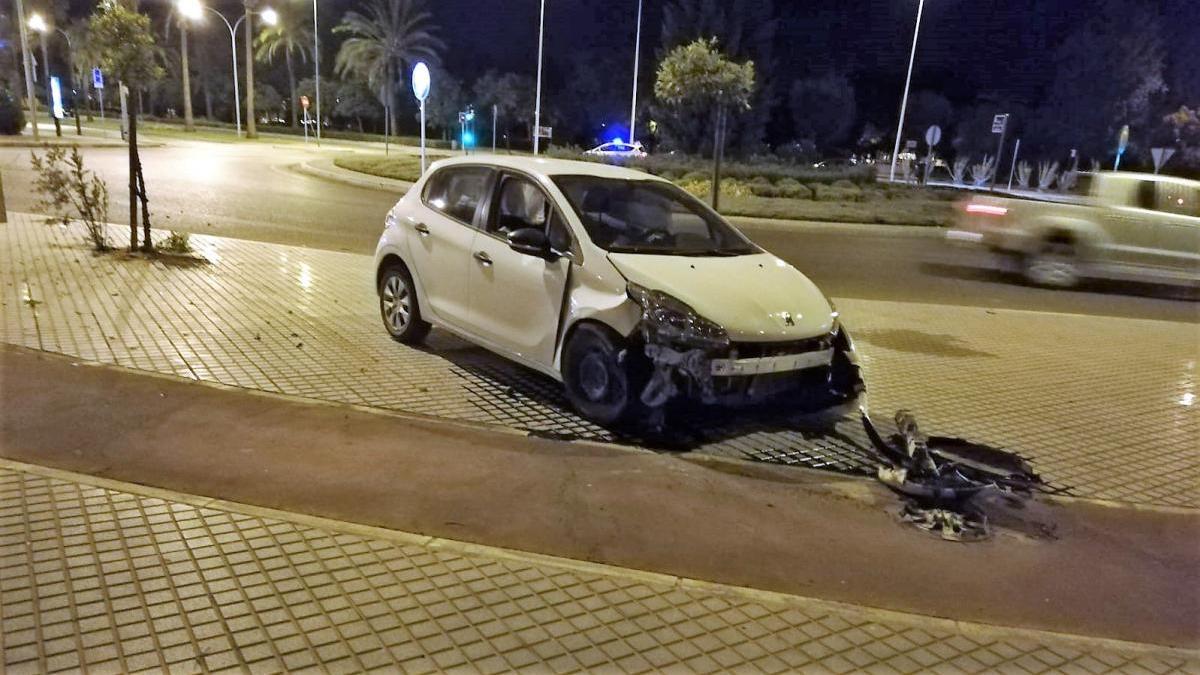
<point>38,25</point>
<point>194,10</point>
<point>904,101</point>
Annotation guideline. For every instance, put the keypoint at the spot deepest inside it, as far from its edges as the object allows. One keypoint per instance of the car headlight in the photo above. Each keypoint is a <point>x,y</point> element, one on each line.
<point>672,319</point>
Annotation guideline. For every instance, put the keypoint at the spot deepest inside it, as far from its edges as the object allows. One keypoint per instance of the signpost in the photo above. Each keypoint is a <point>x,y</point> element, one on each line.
<point>1161,156</point>
<point>1013,169</point>
<point>304,107</point>
<point>1122,143</point>
<point>420,86</point>
<point>933,136</point>
<point>999,126</point>
<point>98,85</point>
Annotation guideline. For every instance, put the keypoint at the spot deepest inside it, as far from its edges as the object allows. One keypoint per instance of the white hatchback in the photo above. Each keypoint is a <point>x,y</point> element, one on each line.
<point>621,285</point>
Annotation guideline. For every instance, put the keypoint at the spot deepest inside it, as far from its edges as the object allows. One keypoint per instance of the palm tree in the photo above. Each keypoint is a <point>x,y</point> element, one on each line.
<point>293,33</point>
<point>385,40</point>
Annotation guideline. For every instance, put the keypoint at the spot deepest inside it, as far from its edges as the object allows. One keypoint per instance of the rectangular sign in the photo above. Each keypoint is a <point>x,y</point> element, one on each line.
<point>56,97</point>
<point>998,123</point>
<point>97,79</point>
<point>545,132</point>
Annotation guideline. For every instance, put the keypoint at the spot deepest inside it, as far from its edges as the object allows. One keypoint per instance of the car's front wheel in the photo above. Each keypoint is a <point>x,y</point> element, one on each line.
<point>399,308</point>
<point>602,382</point>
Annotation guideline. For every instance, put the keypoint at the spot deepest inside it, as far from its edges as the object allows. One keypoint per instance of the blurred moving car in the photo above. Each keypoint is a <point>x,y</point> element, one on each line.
<point>618,283</point>
<point>1128,226</point>
<point>618,149</point>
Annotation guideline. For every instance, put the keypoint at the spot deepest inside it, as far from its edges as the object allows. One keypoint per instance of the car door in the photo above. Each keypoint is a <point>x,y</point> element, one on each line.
<point>1177,212</point>
<point>1158,232</point>
<point>442,237</point>
<point>516,298</point>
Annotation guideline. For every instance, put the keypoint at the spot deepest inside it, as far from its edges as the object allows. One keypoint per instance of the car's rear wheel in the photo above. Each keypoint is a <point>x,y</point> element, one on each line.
<point>602,384</point>
<point>1054,265</point>
<point>399,308</point>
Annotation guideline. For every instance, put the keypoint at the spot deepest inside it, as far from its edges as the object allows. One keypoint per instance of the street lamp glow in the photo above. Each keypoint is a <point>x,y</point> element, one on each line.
<point>37,23</point>
<point>269,16</point>
<point>191,9</point>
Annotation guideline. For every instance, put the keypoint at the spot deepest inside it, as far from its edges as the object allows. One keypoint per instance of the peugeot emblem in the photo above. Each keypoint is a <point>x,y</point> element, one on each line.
<point>788,320</point>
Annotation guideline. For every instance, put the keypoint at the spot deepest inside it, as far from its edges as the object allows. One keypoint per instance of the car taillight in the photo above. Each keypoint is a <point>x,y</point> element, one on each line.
<point>987,209</point>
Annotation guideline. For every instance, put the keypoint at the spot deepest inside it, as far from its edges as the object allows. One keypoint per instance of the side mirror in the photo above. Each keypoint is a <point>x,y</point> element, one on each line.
<point>530,241</point>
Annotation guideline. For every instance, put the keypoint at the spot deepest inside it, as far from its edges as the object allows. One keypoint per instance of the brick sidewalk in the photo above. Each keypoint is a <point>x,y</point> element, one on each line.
<point>1103,405</point>
<point>115,578</point>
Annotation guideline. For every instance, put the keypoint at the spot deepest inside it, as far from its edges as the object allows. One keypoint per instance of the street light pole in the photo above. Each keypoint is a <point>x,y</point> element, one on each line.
<point>904,101</point>
<point>237,100</point>
<point>637,47</point>
<point>317,70</point>
<point>537,106</point>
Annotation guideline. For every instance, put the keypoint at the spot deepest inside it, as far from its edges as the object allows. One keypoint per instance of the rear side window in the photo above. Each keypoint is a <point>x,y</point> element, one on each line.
<point>1178,199</point>
<point>457,191</point>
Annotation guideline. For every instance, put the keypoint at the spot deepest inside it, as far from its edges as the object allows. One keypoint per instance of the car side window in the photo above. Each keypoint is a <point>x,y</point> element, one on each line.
<point>1178,199</point>
<point>457,191</point>
<point>520,204</point>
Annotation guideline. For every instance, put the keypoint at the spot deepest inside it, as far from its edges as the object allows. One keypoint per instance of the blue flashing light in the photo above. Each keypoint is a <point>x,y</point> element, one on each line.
<point>468,139</point>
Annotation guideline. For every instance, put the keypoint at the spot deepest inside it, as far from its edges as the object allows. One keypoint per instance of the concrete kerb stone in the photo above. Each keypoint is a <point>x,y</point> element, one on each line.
<point>327,170</point>
<point>978,631</point>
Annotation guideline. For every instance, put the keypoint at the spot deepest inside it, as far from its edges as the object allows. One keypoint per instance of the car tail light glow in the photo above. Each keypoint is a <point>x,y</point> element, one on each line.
<point>987,209</point>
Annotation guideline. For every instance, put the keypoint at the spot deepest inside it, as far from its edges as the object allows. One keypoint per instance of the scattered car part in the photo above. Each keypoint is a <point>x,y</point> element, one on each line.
<point>940,477</point>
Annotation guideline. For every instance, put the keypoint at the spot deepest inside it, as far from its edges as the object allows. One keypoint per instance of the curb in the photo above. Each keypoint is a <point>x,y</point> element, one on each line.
<point>347,177</point>
<point>358,179</point>
<point>467,549</point>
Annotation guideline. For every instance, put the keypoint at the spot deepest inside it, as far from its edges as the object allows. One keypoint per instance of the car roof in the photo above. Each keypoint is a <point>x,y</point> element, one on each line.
<point>1158,178</point>
<point>548,166</point>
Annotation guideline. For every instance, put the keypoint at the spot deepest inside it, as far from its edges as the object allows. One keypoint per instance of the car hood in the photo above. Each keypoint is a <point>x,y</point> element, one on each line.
<point>750,296</point>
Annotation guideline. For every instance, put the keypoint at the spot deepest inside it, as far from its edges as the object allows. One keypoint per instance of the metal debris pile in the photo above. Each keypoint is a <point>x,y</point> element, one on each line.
<point>941,477</point>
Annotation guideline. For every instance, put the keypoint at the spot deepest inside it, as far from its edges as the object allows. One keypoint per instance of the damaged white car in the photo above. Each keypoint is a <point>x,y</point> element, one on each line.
<point>621,285</point>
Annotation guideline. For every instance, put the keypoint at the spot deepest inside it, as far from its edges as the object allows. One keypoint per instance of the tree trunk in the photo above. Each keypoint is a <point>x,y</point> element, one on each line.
<point>295,101</point>
<point>251,130</point>
<point>133,171</point>
<point>147,243</point>
<point>188,123</point>
<point>208,98</point>
<point>718,155</point>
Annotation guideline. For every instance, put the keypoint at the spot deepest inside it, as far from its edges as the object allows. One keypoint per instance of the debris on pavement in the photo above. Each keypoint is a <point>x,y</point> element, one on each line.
<point>941,477</point>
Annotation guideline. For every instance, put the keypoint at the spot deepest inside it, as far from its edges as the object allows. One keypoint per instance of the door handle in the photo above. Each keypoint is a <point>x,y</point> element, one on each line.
<point>422,229</point>
<point>483,258</point>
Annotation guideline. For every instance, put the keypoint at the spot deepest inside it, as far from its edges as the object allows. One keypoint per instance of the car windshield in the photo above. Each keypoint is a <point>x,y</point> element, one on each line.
<point>649,216</point>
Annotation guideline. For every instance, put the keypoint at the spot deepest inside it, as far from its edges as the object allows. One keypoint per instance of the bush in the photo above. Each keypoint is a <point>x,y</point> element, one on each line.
<point>68,191</point>
<point>787,189</point>
<point>176,242</point>
<point>695,177</point>
<point>830,193</point>
<point>12,116</point>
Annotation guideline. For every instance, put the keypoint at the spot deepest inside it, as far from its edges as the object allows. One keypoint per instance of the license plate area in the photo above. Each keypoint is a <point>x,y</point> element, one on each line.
<point>772,364</point>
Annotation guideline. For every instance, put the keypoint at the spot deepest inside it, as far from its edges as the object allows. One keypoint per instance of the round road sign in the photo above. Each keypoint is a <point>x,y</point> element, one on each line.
<point>420,81</point>
<point>933,135</point>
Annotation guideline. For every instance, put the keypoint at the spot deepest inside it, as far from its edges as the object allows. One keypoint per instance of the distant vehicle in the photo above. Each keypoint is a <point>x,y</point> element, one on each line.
<point>626,288</point>
<point>1128,226</point>
<point>618,149</point>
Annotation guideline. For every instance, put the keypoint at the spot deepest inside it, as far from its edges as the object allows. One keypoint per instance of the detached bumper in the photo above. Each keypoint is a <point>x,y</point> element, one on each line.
<point>771,364</point>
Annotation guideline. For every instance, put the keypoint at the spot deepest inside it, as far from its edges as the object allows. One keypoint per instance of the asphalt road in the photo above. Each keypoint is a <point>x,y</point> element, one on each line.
<point>250,192</point>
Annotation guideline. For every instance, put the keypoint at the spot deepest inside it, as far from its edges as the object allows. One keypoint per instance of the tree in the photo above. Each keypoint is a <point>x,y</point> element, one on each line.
<point>384,41</point>
<point>1106,73</point>
<point>291,35</point>
<point>446,99</point>
<point>823,109</point>
<point>356,102</point>
<point>512,94</point>
<point>926,109</point>
<point>696,77</point>
<point>746,31</point>
<point>122,38</point>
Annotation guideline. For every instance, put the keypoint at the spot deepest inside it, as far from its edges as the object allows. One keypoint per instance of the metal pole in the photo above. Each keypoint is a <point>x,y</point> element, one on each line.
<point>999,151</point>
<point>422,137</point>
<point>28,61</point>
<point>237,99</point>
<point>493,127</point>
<point>537,106</point>
<point>637,47</point>
<point>904,101</point>
<point>1016,151</point>
<point>317,69</point>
